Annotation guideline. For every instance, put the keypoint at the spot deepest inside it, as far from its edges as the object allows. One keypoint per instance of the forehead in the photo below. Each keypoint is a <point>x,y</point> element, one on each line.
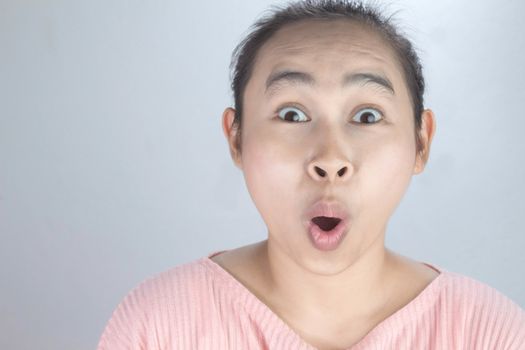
<point>327,49</point>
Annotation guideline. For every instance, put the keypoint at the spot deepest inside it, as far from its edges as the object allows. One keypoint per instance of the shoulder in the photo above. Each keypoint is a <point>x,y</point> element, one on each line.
<point>193,275</point>
<point>483,313</point>
<point>472,293</point>
<point>179,288</point>
<point>158,307</point>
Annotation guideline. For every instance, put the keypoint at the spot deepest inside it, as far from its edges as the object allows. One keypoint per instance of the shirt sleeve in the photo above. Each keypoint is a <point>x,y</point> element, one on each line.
<point>494,321</point>
<point>129,323</point>
<point>508,327</point>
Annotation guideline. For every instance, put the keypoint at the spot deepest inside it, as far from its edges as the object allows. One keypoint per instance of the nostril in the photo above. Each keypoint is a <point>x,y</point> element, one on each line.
<point>341,172</point>
<point>320,171</point>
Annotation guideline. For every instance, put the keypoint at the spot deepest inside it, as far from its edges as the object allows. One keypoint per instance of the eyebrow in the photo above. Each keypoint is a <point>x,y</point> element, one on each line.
<point>302,78</point>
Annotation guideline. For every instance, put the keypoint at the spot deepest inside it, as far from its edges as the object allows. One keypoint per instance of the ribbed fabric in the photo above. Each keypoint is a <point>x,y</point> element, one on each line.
<point>199,305</point>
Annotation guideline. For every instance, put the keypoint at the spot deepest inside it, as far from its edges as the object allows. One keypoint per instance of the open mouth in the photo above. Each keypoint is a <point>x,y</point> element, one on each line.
<point>326,223</point>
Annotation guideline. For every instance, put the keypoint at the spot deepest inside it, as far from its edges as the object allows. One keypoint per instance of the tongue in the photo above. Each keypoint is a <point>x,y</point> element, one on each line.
<point>326,223</point>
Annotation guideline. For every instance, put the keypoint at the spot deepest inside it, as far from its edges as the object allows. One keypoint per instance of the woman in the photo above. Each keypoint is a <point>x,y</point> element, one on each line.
<point>328,129</point>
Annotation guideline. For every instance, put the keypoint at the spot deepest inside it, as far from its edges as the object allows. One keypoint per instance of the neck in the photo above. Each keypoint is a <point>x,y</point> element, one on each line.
<point>356,291</point>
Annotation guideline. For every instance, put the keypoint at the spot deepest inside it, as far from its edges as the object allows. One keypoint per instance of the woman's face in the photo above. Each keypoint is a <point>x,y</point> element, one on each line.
<point>343,77</point>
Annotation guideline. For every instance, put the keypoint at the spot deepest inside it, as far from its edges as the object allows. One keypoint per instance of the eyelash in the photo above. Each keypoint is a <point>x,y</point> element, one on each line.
<point>363,108</point>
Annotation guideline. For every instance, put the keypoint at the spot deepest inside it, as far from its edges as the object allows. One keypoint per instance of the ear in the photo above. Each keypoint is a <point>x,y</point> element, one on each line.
<point>231,134</point>
<point>428,129</point>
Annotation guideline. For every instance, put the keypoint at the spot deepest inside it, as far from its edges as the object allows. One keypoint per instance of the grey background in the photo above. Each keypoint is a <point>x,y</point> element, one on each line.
<point>113,165</point>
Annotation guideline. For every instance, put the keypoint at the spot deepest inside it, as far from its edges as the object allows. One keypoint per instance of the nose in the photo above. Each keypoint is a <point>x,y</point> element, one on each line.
<point>330,169</point>
<point>330,158</point>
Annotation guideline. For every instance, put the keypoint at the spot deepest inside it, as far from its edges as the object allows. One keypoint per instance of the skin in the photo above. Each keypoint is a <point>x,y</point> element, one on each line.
<point>332,299</point>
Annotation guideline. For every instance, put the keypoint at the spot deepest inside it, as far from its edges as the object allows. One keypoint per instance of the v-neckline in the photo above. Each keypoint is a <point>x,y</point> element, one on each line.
<point>420,303</point>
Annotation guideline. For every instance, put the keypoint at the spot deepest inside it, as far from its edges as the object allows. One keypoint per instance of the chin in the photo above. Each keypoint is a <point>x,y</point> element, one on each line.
<point>327,264</point>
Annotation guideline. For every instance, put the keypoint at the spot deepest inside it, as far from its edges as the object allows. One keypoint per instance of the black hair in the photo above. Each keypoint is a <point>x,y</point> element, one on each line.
<point>244,55</point>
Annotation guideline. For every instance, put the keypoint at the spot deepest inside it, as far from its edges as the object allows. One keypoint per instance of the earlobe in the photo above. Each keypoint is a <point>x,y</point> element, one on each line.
<point>428,129</point>
<point>231,133</point>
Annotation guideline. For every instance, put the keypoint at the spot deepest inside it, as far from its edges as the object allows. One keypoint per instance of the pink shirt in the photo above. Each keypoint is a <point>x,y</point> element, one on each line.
<point>199,305</point>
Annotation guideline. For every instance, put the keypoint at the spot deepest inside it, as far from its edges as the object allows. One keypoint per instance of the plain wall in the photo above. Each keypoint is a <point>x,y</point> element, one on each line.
<point>113,165</point>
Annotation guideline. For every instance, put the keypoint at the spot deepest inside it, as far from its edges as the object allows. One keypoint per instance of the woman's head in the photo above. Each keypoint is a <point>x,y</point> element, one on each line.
<point>245,54</point>
<point>327,120</point>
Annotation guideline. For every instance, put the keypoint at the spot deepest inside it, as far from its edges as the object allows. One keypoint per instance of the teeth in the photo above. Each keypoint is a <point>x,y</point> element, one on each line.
<point>326,223</point>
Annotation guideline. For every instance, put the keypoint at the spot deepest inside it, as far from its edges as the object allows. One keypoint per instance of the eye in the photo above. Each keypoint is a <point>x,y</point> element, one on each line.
<point>368,116</point>
<point>292,114</point>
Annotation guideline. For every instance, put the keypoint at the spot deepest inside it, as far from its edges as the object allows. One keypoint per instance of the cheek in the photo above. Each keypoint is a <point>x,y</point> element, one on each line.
<point>387,173</point>
<point>270,174</point>
<point>268,159</point>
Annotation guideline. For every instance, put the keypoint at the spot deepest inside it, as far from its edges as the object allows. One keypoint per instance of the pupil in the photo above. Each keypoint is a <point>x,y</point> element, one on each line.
<point>290,114</point>
<point>368,117</point>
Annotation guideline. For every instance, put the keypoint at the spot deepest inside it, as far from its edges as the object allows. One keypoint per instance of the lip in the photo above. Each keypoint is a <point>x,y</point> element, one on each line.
<point>329,208</point>
<point>327,240</point>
